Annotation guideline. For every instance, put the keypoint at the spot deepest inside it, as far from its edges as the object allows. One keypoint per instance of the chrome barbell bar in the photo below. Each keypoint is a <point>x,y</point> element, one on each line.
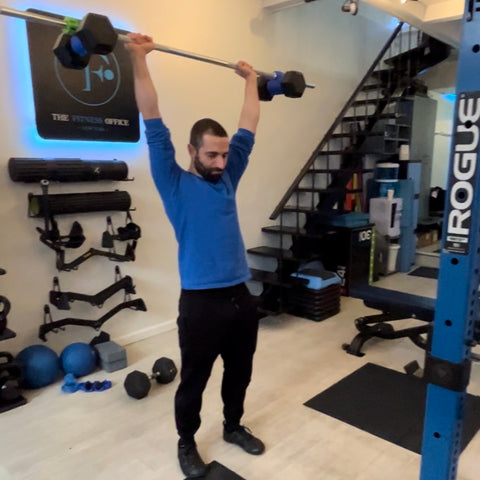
<point>47,20</point>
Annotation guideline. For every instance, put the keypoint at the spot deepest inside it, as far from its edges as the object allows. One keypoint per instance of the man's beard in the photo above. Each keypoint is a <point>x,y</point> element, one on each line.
<point>211,175</point>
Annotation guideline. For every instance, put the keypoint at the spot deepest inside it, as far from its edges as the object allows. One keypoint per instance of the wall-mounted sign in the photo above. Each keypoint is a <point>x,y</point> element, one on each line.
<point>94,104</point>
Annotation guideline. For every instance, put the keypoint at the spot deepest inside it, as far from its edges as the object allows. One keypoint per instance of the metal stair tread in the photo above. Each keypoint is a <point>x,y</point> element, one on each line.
<point>273,278</point>
<point>399,139</point>
<point>382,71</point>
<point>384,99</point>
<point>284,230</point>
<point>301,232</point>
<point>359,118</point>
<point>274,252</point>
<point>265,276</point>
<point>327,190</point>
<point>372,86</point>
<point>333,152</point>
<point>360,133</point>
<point>373,101</point>
<point>334,170</point>
<point>293,208</point>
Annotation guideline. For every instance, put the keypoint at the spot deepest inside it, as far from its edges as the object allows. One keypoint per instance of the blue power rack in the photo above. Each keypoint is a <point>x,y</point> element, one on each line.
<point>447,366</point>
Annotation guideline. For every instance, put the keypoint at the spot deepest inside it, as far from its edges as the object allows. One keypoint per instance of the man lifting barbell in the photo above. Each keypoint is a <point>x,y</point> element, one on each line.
<point>217,314</point>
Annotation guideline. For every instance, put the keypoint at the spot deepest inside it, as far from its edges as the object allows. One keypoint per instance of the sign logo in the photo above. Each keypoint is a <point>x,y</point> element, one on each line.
<point>95,85</point>
<point>463,172</point>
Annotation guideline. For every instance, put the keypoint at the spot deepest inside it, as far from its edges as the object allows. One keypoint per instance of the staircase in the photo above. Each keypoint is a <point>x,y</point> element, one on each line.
<point>323,214</point>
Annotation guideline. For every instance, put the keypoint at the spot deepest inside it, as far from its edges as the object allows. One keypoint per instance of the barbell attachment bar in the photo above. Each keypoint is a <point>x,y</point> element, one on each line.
<point>203,58</point>
<point>65,22</point>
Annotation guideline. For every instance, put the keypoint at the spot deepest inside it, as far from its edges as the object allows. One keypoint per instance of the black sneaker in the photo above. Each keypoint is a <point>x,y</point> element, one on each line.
<point>190,461</point>
<point>243,437</point>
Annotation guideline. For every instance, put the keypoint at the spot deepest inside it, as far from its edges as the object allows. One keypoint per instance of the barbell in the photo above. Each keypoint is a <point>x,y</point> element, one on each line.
<point>95,35</point>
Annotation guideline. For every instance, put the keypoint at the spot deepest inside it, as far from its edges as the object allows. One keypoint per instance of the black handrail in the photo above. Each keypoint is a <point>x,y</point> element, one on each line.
<point>335,124</point>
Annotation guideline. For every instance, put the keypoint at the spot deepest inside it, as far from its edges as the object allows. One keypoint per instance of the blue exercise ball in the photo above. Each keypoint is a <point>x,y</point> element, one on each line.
<point>40,366</point>
<point>79,359</point>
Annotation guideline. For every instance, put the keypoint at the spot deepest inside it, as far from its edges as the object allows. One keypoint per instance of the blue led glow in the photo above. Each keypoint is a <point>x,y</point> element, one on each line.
<point>450,97</point>
<point>393,23</point>
<point>20,73</point>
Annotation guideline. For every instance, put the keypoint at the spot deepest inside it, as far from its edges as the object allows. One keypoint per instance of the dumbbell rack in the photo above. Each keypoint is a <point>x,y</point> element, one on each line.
<point>5,333</point>
<point>5,407</point>
<point>6,367</point>
<point>5,372</point>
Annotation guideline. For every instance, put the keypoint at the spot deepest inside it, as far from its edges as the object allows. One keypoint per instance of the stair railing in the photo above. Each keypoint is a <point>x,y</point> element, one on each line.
<point>334,125</point>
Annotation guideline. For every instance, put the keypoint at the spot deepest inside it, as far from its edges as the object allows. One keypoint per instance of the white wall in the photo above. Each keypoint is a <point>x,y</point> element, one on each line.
<point>443,139</point>
<point>332,48</point>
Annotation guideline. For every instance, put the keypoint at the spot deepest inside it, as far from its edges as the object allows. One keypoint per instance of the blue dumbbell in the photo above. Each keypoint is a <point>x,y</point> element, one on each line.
<point>291,84</point>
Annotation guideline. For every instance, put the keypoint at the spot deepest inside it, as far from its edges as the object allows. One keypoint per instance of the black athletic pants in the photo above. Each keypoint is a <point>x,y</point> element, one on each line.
<point>214,322</point>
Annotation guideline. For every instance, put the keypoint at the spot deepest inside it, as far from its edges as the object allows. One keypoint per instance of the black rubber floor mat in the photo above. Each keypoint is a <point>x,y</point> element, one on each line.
<point>426,272</point>
<point>387,404</point>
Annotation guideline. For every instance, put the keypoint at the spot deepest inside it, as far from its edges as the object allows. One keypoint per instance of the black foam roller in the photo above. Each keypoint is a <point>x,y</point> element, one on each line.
<point>30,170</point>
<point>64,203</point>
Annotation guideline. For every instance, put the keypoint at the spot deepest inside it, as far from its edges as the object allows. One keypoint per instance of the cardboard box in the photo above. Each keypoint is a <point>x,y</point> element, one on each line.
<point>424,239</point>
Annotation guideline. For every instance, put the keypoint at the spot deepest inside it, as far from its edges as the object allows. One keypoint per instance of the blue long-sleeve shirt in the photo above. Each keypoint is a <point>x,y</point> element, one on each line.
<point>211,251</point>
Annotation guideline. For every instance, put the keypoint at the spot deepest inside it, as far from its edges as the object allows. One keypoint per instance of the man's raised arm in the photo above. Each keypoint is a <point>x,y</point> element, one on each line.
<point>250,113</point>
<point>145,93</point>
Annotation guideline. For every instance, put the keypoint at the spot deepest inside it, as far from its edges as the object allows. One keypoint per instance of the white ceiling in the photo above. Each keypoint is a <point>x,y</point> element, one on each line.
<point>439,18</point>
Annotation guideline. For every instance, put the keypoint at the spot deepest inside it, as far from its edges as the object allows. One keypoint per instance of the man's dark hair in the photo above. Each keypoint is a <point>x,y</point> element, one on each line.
<point>203,126</point>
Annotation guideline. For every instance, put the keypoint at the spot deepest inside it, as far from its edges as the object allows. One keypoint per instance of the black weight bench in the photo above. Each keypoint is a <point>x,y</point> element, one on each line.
<point>394,306</point>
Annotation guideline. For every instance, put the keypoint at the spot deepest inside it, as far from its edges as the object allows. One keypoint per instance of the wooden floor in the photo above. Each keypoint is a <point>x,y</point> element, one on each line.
<point>109,436</point>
